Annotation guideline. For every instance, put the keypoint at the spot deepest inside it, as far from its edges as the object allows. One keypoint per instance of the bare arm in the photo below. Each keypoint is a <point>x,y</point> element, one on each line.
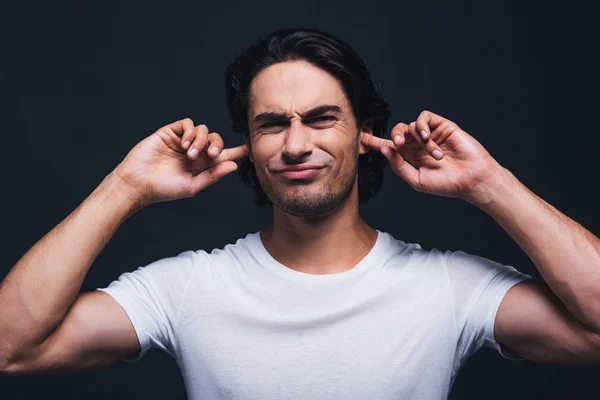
<point>37,293</point>
<point>566,254</point>
<point>557,320</point>
<point>45,324</point>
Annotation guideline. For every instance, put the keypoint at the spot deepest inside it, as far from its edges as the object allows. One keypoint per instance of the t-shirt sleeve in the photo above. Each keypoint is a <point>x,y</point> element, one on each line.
<point>478,286</point>
<point>152,297</point>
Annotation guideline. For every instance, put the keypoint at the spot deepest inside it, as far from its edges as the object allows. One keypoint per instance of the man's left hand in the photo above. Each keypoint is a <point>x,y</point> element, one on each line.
<point>433,155</point>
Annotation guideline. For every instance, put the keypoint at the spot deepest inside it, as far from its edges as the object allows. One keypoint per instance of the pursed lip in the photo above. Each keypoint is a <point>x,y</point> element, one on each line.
<point>300,167</point>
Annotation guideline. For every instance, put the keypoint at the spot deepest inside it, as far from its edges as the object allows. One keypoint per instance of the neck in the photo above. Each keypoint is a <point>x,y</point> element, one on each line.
<point>327,244</point>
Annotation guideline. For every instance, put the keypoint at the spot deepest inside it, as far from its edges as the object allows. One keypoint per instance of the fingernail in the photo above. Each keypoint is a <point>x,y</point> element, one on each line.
<point>193,153</point>
<point>186,144</point>
<point>213,151</point>
<point>424,134</point>
<point>437,154</point>
<point>397,140</point>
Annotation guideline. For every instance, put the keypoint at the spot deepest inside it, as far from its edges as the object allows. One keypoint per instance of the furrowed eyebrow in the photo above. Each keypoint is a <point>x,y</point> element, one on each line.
<point>270,117</point>
<point>321,110</point>
<point>275,116</point>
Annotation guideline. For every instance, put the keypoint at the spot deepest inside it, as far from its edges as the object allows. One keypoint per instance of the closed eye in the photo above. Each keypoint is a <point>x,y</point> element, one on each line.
<point>277,123</point>
<point>322,119</point>
<point>325,118</point>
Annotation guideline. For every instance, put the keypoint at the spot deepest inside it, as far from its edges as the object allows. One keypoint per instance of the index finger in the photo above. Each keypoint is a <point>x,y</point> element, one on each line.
<point>232,154</point>
<point>376,142</point>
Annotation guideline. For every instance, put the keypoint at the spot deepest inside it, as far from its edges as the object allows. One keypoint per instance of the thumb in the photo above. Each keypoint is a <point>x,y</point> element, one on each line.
<point>212,175</point>
<point>401,167</point>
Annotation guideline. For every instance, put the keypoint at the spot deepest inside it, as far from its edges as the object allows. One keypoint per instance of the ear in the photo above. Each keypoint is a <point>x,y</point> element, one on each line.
<point>247,141</point>
<point>367,127</point>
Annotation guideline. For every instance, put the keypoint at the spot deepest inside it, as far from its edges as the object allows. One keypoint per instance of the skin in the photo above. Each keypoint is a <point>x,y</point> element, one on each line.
<point>555,320</point>
<point>324,232</point>
<point>47,325</point>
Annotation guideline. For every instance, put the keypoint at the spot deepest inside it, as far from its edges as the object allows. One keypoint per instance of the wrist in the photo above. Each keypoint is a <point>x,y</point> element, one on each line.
<point>488,192</point>
<point>127,197</point>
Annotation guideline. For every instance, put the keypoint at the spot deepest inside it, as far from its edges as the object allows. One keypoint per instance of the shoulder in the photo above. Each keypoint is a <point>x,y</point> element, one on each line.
<point>452,259</point>
<point>228,259</point>
<point>412,252</point>
<point>182,265</point>
<point>241,249</point>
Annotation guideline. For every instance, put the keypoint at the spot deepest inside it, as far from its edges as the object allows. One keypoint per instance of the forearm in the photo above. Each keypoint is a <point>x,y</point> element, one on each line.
<point>566,254</point>
<point>40,288</point>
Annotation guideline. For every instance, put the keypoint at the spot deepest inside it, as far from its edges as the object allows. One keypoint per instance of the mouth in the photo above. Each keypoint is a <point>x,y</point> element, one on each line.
<point>300,171</point>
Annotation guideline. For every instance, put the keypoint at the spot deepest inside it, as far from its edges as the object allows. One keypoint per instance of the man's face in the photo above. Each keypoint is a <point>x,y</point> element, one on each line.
<point>299,117</point>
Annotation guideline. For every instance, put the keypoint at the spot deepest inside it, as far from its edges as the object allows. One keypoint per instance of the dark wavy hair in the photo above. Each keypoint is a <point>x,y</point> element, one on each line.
<point>330,54</point>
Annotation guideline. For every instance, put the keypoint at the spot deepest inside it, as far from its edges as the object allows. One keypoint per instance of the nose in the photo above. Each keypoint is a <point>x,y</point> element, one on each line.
<point>298,141</point>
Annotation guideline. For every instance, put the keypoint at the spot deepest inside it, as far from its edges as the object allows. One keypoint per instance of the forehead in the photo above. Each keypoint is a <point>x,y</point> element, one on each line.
<point>294,86</point>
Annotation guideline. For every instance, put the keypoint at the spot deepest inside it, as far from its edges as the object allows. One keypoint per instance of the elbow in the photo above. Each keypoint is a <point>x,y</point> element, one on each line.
<point>593,317</point>
<point>7,367</point>
<point>595,341</point>
<point>10,363</point>
<point>5,358</point>
<point>11,367</point>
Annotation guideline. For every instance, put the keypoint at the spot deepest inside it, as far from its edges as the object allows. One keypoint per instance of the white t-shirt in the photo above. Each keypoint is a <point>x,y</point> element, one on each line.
<point>398,325</point>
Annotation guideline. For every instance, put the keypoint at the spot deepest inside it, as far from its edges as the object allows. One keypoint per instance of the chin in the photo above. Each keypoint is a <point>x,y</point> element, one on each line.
<point>310,200</point>
<point>303,208</point>
<point>309,197</point>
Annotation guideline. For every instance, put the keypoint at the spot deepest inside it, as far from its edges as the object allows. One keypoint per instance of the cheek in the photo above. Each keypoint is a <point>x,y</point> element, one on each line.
<point>266,148</point>
<point>338,143</point>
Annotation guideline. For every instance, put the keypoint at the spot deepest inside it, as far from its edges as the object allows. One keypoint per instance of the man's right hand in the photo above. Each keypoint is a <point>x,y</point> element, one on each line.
<point>177,161</point>
<point>45,323</point>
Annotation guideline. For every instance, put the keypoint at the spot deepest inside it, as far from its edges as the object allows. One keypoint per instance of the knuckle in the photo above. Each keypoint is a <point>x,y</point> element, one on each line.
<point>399,129</point>
<point>412,129</point>
<point>187,121</point>
<point>223,156</point>
<point>213,175</point>
<point>216,137</point>
<point>448,126</point>
<point>198,144</point>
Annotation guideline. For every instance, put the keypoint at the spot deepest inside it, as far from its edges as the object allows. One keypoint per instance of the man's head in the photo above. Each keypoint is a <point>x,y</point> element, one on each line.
<point>303,97</point>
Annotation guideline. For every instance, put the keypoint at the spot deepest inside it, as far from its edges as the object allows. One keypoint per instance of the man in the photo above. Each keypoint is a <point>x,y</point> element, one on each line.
<point>318,305</point>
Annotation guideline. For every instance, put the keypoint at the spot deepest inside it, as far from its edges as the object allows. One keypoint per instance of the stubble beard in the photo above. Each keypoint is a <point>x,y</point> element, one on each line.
<point>302,200</point>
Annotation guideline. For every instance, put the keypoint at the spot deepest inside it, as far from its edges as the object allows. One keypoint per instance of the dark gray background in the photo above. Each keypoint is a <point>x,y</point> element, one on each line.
<point>82,83</point>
